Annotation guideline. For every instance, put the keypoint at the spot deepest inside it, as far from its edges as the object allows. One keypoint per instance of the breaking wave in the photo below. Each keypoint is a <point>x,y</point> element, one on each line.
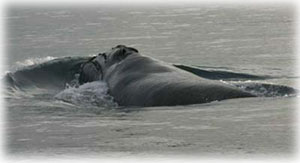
<point>88,94</point>
<point>32,61</point>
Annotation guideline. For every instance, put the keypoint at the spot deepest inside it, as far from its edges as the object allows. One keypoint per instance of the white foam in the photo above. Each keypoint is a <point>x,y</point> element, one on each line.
<point>265,89</point>
<point>88,94</point>
<point>33,61</point>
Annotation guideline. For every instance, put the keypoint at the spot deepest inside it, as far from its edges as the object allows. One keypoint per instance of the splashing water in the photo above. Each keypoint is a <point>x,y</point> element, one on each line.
<point>89,94</point>
<point>266,89</point>
<point>32,61</point>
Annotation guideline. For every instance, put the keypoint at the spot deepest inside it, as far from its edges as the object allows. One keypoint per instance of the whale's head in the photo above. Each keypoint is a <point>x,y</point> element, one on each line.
<point>96,66</point>
<point>118,53</point>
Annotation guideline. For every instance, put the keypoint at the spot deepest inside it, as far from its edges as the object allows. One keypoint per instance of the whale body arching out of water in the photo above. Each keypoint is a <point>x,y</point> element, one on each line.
<point>137,80</point>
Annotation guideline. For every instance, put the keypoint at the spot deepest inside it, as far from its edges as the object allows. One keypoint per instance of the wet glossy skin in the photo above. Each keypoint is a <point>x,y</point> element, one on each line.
<point>136,80</point>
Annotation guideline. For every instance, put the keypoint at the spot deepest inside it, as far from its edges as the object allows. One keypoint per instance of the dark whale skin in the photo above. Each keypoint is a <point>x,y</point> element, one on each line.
<point>142,81</point>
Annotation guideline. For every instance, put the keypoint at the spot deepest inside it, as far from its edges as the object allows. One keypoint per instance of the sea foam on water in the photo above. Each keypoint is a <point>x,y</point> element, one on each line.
<point>89,94</point>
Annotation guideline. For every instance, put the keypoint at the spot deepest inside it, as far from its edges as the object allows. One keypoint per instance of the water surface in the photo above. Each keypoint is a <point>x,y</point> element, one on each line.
<point>245,39</point>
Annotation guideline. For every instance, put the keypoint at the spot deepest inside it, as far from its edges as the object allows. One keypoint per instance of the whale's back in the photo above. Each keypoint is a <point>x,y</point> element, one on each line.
<point>143,81</point>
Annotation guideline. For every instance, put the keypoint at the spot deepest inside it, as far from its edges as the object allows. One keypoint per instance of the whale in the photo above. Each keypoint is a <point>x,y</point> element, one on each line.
<point>137,80</point>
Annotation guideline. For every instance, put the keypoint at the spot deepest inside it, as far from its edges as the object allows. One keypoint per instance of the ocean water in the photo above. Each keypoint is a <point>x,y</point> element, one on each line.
<point>53,120</point>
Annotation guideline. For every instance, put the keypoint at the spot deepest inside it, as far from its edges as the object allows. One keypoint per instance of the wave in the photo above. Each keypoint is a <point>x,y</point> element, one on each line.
<point>32,61</point>
<point>89,94</point>
<point>53,74</point>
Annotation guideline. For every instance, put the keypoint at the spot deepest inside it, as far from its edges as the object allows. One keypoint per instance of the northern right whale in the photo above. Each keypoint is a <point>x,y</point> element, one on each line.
<point>137,80</point>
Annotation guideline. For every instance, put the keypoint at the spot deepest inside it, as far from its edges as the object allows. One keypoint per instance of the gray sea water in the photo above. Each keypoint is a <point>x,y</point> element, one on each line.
<point>245,39</point>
